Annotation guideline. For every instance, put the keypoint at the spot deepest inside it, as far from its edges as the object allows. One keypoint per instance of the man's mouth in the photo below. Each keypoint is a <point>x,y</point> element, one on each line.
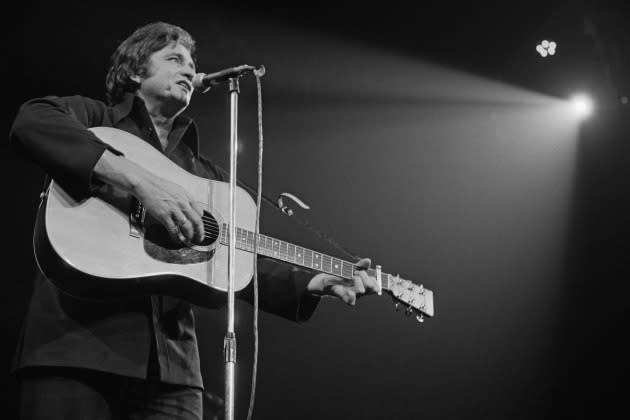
<point>185,85</point>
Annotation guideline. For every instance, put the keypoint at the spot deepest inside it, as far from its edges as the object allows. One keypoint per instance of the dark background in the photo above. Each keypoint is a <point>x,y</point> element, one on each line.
<point>432,138</point>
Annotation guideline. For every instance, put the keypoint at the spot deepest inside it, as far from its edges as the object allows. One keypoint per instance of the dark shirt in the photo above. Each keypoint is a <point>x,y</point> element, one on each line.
<point>150,337</point>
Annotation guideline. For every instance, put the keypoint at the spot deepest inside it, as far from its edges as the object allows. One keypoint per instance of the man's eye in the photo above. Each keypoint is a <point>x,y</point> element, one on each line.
<point>174,59</point>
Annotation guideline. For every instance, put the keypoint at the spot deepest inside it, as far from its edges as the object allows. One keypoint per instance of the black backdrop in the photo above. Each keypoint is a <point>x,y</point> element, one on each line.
<point>423,137</point>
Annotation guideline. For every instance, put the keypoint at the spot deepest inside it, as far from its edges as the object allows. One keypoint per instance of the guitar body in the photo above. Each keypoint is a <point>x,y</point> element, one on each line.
<point>96,248</point>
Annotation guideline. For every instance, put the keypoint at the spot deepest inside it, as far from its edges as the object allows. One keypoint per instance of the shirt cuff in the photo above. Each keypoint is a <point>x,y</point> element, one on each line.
<point>308,302</point>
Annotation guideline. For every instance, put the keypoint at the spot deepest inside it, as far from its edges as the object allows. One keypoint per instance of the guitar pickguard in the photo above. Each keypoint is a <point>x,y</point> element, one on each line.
<point>159,246</point>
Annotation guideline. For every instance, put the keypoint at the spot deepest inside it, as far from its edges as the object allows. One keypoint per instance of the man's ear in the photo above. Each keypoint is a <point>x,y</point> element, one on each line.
<point>136,78</point>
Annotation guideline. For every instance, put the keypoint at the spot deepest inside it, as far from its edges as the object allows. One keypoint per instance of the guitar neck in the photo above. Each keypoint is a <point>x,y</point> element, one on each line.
<point>416,297</point>
<point>297,255</point>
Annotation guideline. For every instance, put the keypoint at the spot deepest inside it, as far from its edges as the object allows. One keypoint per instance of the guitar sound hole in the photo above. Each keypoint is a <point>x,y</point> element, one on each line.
<point>211,230</point>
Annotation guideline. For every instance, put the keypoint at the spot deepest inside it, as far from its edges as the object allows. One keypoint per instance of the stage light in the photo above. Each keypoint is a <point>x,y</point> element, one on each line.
<point>546,48</point>
<point>582,105</point>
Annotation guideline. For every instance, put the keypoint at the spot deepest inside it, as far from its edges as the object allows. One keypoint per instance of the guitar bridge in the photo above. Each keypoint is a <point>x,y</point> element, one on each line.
<point>137,213</point>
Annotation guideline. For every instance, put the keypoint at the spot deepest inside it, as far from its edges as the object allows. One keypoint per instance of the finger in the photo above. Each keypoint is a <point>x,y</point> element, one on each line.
<point>369,282</point>
<point>341,292</point>
<point>372,285</point>
<point>187,229</point>
<point>196,223</point>
<point>197,207</point>
<point>364,263</point>
<point>352,297</point>
<point>346,294</point>
<point>173,231</point>
<point>359,281</point>
<point>183,230</point>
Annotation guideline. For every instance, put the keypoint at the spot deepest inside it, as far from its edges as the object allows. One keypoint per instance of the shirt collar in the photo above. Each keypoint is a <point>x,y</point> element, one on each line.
<point>190,134</point>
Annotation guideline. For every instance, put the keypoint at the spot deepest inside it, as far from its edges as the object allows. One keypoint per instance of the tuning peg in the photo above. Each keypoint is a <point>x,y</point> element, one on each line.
<point>396,306</point>
<point>420,318</point>
<point>408,311</point>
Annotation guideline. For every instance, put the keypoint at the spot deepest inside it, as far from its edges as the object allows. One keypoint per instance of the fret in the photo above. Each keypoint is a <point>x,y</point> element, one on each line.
<point>243,238</point>
<point>276,248</point>
<point>262,249</point>
<point>317,260</point>
<point>336,267</point>
<point>291,256</point>
<point>299,255</point>
<point>308,258</point>
<point>348,270</point>
<point>269,246</point>
<point>284,252</point>
<point>326,263</point>
<point>261,244</point>
<point>239,237</point>
<point>250,241</point>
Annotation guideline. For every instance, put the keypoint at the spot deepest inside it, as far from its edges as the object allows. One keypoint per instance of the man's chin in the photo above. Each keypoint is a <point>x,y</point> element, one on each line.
<point>177,104</point>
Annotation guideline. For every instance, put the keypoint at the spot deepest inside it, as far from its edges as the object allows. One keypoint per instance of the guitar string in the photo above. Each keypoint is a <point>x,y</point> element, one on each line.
<point>213,229</point>
<point>241,238</point>
<point>294,258</point>
<point>288,256</point>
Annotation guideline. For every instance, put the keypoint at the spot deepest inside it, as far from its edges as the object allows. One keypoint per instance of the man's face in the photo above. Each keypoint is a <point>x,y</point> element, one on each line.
<point>168,80</point>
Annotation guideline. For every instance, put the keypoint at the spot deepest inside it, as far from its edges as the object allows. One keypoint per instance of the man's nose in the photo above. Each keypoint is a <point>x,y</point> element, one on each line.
<point>188,72</point>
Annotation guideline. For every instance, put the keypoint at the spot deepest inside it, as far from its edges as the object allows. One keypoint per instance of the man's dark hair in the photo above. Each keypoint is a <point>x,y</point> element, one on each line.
<point>131,56</point>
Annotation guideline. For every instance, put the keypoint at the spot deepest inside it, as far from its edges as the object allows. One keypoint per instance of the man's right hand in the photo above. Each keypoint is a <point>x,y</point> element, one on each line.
<point>173,207</point>
<point>164,200</point>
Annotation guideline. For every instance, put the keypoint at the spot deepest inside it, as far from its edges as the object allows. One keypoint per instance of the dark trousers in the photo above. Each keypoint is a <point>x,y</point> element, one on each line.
<point>79,394</point>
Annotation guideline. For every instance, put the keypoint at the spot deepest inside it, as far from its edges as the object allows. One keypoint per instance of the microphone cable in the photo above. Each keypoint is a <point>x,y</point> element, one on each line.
<point>252,395</point>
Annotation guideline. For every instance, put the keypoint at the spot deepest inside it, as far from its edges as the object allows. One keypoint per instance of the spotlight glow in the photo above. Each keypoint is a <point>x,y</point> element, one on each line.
<point>582,105</point>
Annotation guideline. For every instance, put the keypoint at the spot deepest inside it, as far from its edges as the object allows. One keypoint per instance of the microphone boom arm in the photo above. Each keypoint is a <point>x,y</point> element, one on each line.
<point>204,82</point>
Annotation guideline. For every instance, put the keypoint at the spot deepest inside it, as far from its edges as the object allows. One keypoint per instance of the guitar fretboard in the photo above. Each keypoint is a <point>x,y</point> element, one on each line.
<point>294,254</point>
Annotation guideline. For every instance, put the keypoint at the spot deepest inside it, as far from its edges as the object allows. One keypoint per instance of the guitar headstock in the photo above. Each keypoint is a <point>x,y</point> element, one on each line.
<point>417,299</point>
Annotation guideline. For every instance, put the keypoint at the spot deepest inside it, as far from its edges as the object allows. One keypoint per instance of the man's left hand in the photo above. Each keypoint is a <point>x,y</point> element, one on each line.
<point>347,290</point>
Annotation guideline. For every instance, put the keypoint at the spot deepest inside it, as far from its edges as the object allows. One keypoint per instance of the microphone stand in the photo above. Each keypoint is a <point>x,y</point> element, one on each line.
<point>229,343</point>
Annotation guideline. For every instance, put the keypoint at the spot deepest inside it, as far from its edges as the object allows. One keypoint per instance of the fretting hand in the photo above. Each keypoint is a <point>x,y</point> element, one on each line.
<point>348,290</point>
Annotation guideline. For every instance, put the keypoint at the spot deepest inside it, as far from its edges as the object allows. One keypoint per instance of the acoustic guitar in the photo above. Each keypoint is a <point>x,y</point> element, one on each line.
<point>107,247</point>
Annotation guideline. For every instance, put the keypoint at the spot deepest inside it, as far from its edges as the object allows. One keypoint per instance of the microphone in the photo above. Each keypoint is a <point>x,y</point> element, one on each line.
<point>204,82</point>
